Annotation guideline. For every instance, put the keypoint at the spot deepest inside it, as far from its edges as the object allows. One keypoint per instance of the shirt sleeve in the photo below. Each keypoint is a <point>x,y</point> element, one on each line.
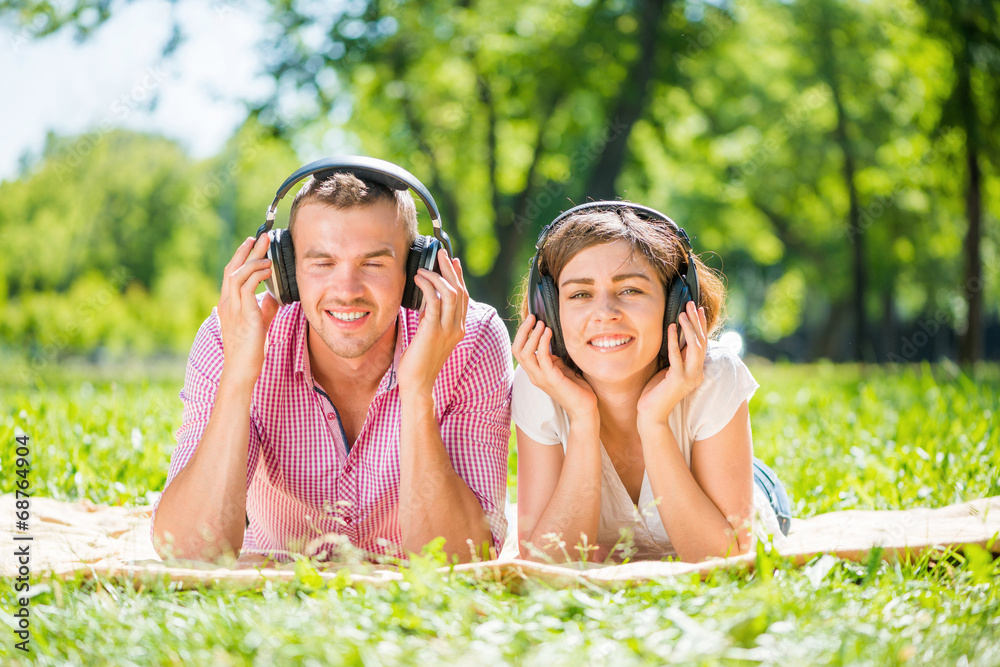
<point>727,384</point>
<point>475,428</point>
<point>201,385</point>
<point>534,411</point>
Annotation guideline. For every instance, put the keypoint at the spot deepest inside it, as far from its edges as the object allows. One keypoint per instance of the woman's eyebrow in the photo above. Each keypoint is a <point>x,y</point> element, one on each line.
<point>616,278</point>
<point>577,281</point>
<point>628,276</point>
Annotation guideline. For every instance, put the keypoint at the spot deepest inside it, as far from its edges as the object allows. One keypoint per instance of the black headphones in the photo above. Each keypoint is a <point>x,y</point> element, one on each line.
<point>423,253</point>
<point>543,295</point>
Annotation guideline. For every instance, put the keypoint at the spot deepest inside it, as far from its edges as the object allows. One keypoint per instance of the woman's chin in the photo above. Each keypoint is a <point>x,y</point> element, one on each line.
<point>607,369</point>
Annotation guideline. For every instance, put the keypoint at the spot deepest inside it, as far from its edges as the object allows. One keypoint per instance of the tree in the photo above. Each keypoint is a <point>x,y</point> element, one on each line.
<point>971,31</point>
<point>508,111</point>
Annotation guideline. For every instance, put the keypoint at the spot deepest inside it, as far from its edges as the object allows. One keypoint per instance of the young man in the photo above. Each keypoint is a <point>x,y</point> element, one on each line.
<point>342,414</point>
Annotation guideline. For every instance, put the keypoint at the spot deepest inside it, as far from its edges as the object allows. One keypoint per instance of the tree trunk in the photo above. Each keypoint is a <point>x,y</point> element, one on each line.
<point>630,104</point>
<point>971,347</point>
<point>862,346</point>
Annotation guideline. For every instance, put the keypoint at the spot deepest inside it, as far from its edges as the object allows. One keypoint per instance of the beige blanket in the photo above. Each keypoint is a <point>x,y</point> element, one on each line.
<point>114,542</point>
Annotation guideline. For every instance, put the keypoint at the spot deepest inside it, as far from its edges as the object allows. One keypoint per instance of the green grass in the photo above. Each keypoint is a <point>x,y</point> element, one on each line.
<point>840,436</point>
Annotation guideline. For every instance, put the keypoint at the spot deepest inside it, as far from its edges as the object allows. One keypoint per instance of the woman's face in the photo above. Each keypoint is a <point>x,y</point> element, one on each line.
<point>611,305</point>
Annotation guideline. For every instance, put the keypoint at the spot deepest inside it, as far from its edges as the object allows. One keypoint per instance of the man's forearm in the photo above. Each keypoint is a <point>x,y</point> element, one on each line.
<point>434,500</point>
<point>202,513</point>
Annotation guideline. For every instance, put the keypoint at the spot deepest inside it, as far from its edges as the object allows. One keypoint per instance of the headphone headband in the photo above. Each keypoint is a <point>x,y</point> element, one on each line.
<point>367,168</point>
<point>644,212</point>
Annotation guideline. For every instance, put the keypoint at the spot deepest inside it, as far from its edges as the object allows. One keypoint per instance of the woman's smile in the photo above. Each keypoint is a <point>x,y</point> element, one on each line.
<point>610,343</point>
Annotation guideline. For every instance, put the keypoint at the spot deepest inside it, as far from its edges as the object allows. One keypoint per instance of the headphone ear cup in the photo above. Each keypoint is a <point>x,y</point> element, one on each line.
<point>422,255</point>
<point>550,314</point>
<point>275,283</point>
<point>678,297</point>
<point>288,266</point>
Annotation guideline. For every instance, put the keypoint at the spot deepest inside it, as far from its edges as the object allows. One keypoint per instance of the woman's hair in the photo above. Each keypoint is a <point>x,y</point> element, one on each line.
<point>655,241</point>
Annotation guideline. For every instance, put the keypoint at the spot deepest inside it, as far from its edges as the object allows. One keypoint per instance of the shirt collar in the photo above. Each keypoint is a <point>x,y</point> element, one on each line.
<point>388,380</point>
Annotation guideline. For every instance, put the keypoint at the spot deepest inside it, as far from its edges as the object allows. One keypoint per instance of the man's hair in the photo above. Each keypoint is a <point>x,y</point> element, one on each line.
<point>655,241</point>
<point>344,190</point>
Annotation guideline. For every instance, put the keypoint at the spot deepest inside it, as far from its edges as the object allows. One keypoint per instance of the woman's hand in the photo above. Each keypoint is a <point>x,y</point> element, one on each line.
<point>686,371</point>
<point>549,373</point>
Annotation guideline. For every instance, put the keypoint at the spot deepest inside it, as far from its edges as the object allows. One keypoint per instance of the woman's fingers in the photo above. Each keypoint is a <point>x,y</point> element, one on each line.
<point>522,336</point>
<point>695,316</point>
<point>527,357</point>
<point>694,357</point>
<point>673,346</point>
<point>531,346</point>
<point>542,355</point>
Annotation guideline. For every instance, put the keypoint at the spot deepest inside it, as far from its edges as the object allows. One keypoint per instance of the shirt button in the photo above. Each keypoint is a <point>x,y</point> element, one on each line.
<point>330,415</point>
<point>348,468</point>
<point>348,520</point>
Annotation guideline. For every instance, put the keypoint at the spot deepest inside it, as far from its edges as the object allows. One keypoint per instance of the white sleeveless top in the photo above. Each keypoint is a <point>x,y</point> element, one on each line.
<point>700,415</point>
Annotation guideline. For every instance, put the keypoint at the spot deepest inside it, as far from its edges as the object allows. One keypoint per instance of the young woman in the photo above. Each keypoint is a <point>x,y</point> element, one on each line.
<point>633,434</point>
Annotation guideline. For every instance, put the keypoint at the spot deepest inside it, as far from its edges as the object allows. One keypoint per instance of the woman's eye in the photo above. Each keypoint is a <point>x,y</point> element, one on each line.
<point>578,295</point>
<point>631,290</point>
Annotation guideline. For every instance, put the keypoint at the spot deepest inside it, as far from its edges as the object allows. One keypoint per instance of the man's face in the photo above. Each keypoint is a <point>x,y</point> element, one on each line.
<point>350,266</point>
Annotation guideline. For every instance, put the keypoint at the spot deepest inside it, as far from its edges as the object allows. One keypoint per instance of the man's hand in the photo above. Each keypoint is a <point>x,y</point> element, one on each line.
<point>442,324</point>
<point>244,323</point>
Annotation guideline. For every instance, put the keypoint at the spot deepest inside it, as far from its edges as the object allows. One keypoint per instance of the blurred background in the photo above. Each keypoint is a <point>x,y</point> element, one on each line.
<point>837,160</point>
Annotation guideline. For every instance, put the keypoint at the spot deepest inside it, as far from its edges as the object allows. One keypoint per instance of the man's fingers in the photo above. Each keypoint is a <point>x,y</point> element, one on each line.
<point>447,266</point>
<point>447,297</point>
<point>253,280</point>
<point>245,274</point>
<point>432,304</point>
<point>248,250</point>
<point>240,255</point>
<point>259,248</point>
<point>236,262</point>
<point>451,271</point>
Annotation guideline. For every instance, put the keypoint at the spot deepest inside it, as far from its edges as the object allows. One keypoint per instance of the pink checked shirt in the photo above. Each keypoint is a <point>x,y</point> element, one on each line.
<point>304,481</point>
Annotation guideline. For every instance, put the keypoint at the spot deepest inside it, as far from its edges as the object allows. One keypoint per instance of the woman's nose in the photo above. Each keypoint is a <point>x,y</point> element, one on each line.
<point>608,308</point>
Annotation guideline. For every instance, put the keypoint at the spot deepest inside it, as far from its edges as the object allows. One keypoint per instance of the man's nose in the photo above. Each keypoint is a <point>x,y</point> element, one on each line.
<point>348,283</point>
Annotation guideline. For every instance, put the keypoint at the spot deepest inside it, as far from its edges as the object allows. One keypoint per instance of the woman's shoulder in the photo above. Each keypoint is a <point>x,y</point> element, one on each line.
<point>727,383</point>
<point>534,411</point>
<point>723,366</point>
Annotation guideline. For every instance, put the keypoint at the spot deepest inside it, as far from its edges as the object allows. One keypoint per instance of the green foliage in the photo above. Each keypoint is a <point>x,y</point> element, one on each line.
<point>840,436</point>
<point>122,239</point>
<point>844,437</point>
<point>928,613</point>
<point>762,126</point>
